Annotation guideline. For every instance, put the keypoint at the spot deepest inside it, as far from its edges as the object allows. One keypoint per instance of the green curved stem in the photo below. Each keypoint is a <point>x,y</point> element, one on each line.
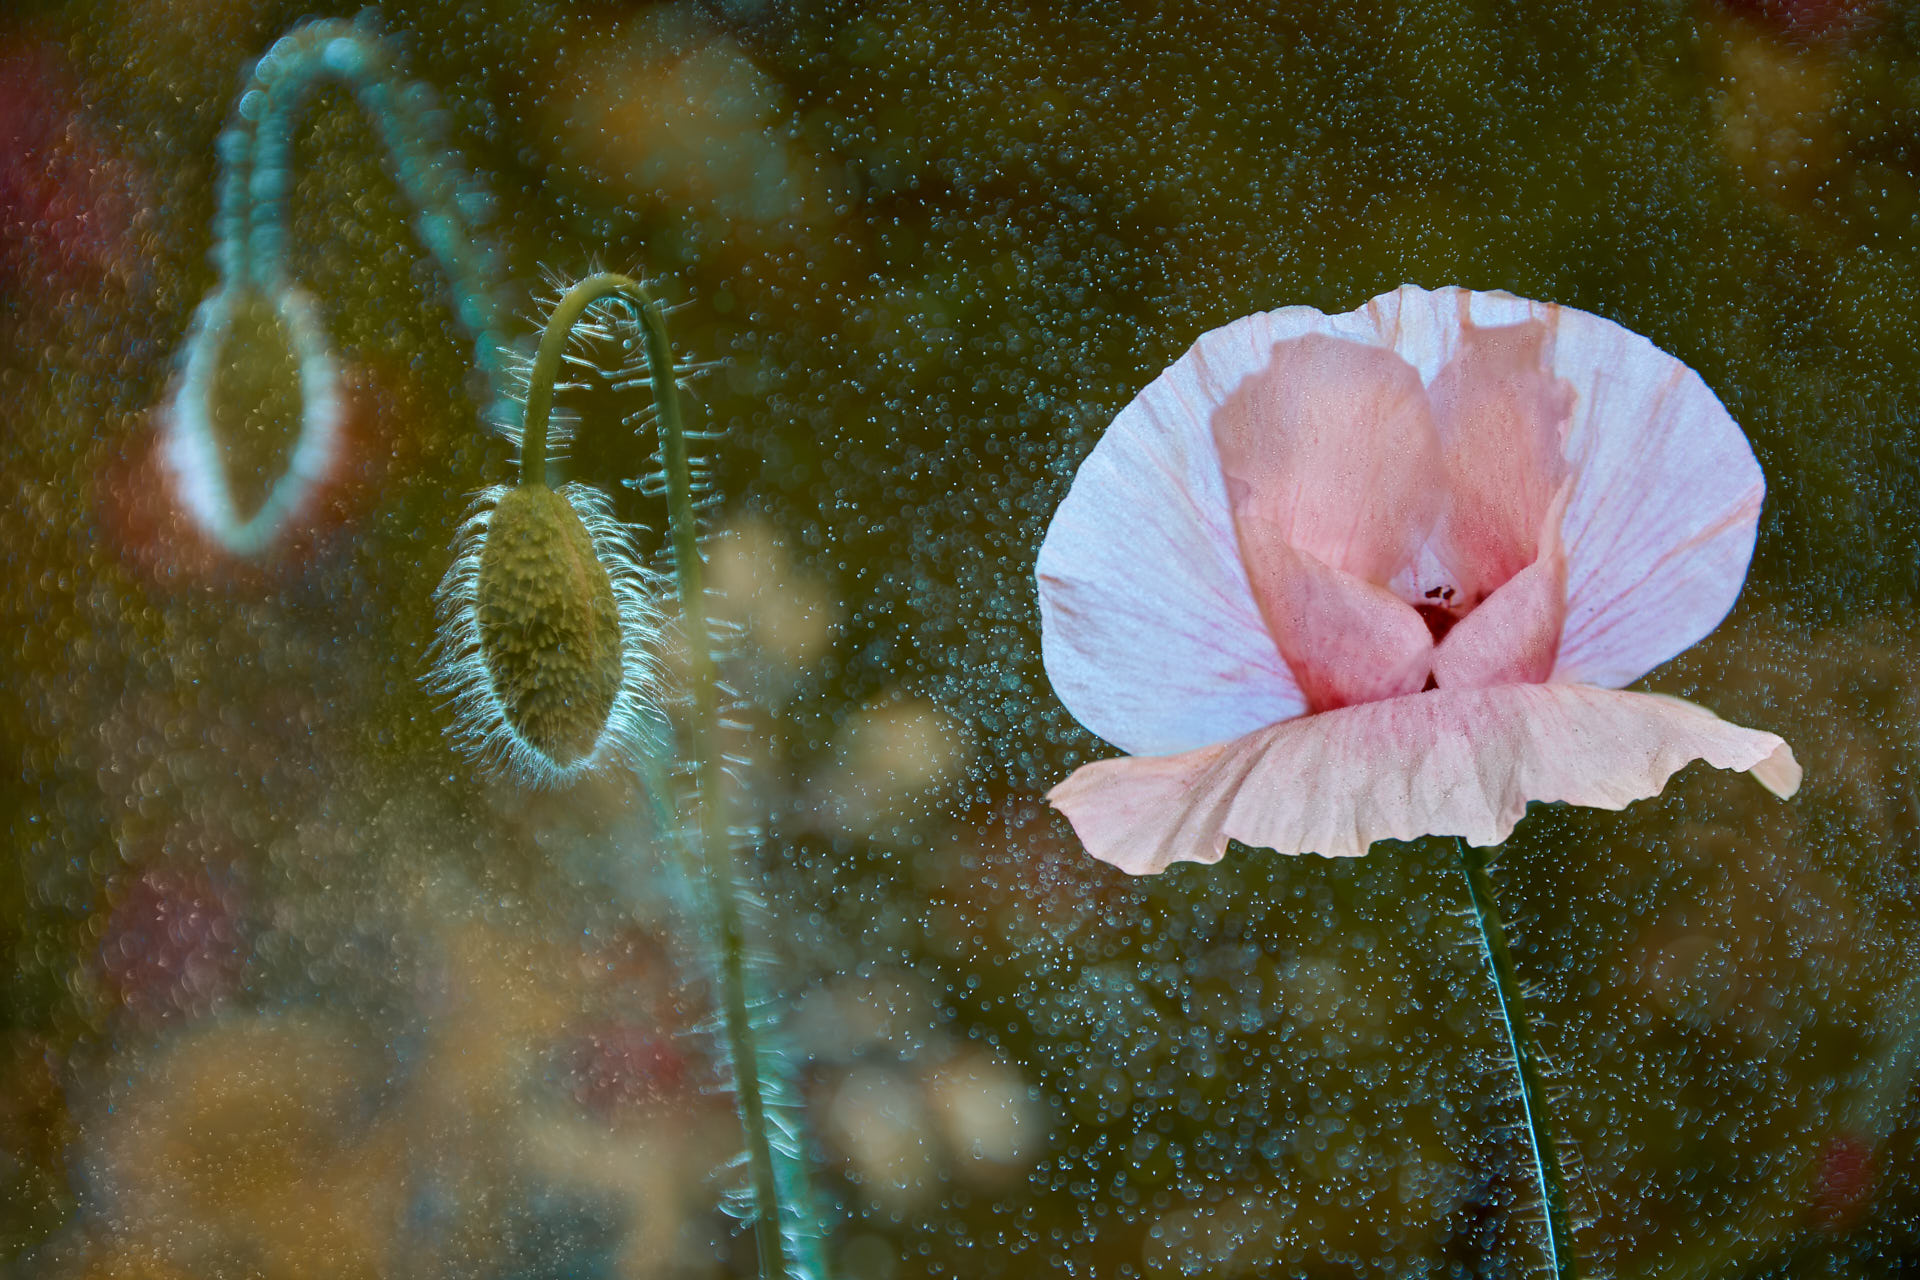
<point>1526,1061</point>
<point>257,173</point>
<point>546,367</point>
<point>715,849</point>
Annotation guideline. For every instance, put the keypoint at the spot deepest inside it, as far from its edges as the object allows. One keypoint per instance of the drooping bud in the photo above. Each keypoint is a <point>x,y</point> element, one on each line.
<point>549,626</point>
<point>548,631</point>
<point>253,428</point>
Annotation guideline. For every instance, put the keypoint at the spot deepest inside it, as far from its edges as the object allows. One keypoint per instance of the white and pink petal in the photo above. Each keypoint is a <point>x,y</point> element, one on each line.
<point>1330,449</point>
<point>1446,762</point>
<point>1346,639</point>
<point>1502,417</point>
<point>1149,630</point>
<point>1513,636</point>
<point>1665,504</point>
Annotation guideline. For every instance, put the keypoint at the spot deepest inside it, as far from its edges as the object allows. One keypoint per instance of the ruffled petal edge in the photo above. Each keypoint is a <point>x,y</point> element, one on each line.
<point>1445,762</point>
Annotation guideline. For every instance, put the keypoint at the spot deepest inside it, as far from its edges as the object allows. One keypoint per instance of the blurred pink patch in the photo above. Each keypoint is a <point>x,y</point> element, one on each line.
<point>172,945</point>
<point>1338,579</point>
<point>1843,1182</point>
<point>622,1065</point>
<point>1831,21</point>
<point>68,208</point>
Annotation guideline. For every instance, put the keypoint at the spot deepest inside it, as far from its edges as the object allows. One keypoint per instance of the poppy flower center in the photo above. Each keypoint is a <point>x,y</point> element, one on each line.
<point>1438,613</point>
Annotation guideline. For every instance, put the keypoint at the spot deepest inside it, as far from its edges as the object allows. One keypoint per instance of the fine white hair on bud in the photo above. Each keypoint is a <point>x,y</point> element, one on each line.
<point>549,635</point>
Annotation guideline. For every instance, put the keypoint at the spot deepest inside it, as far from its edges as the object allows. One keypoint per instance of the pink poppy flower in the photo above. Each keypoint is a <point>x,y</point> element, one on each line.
<point>1338,579</point>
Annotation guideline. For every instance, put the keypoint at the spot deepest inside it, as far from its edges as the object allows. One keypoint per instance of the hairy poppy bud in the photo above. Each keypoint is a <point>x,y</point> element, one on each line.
<point>547,630</point>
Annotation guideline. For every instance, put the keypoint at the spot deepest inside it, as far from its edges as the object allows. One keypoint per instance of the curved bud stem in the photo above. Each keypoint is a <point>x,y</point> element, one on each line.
<point>257,155</point>
<point>1526,1061</point>
<point>573,305</point>
<point>725,921</point>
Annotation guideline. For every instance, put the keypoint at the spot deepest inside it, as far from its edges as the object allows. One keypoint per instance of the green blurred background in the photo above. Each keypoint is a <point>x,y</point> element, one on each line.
<point>291,993</point>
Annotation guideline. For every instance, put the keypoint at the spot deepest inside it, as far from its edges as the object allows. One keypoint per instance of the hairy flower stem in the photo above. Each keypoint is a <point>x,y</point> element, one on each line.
<point>715,850</point>
<point>574,304</point>
<point>1526,1061</point>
